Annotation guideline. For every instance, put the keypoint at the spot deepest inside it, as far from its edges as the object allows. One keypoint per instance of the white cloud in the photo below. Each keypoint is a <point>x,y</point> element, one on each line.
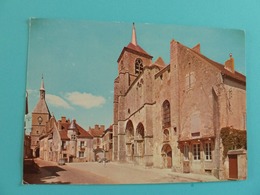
<point>57,101</point>
<point>86,100</point>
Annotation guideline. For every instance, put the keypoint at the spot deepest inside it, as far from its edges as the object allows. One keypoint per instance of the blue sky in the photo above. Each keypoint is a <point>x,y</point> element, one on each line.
<point>78,60</point>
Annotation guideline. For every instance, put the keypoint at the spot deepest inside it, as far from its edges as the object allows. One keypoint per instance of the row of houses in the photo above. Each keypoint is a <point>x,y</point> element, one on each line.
<point>67,140</point>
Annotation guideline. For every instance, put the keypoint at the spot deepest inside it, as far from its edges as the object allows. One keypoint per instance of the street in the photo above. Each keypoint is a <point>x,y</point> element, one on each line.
<point>109,173</point>
<point>51,173</point>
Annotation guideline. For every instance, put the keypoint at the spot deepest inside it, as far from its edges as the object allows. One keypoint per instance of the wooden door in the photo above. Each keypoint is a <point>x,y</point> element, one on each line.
<point>186,166</point>
<point>233,168</point>
<point>169,159</point>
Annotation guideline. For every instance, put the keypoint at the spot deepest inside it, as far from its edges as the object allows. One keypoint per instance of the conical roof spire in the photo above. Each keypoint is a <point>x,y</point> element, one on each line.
<point>42,85</point>
<point>134,39</point>
<point>72,125</point>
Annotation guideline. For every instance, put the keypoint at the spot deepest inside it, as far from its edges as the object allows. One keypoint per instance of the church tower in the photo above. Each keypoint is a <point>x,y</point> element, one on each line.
<point>40,116</point>
<point>133,58</point>
<point>131,63</point>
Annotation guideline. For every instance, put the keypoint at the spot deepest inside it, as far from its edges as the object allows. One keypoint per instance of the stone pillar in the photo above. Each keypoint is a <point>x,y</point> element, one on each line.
<point>175,105</point>
<point>121,142</point>
<point>115,125</point>
<point>148,137</point>
<point>135,152</point>
<point>115,143</point>
<point>148,147</point>
<point>122,148</point>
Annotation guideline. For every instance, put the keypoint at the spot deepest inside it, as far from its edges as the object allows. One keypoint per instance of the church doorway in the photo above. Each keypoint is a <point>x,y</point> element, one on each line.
<point>167,156</point>
<point>129,141</point>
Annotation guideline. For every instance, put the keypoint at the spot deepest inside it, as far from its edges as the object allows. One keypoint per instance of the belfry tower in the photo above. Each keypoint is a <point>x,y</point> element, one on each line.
<point>133,58</point>
<point>40,116</point>
<point>131,62</point>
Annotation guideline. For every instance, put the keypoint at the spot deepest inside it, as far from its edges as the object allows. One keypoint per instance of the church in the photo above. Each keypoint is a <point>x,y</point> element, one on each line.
<point>40,116</point>
<point>175,115</point>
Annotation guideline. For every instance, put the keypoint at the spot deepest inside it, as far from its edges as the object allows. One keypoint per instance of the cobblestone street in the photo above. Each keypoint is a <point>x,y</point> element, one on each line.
<point>110,173</point>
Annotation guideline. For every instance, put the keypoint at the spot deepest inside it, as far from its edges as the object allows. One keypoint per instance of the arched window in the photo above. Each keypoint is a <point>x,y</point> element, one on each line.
<point>129,131</point>
<point>140,140</point>
<point>166,114</point>
<point>166,135</point>
<point>140,131</point>
<point>138,66</point>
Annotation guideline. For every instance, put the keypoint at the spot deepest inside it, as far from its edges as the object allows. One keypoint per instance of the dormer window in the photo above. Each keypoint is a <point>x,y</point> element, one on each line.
<point>138,66</point>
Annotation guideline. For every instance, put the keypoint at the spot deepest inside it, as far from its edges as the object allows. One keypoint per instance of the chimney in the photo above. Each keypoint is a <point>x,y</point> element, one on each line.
<point>230,64</point>
<point>96,127</point>
<point>63,119</point>
<point>102,127</point>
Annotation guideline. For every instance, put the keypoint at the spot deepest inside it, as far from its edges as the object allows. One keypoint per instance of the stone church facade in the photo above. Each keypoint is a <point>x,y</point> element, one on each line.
<point>171,115</point>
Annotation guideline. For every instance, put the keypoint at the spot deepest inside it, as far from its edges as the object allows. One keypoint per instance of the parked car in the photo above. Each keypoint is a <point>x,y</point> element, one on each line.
<point>61,161</point>
<point>102,160</point>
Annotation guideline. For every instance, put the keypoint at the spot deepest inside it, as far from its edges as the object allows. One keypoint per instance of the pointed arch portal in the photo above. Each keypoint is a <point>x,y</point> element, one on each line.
<point>167,156</point>
<point>140,140</point>
<point>129,132</point>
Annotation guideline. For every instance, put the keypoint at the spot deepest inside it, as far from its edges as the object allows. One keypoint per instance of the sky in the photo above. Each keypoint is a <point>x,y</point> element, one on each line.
<point>78,61</point>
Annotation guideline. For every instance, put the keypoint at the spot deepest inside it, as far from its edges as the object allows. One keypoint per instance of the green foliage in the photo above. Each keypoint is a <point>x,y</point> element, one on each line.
<point>232,139</point>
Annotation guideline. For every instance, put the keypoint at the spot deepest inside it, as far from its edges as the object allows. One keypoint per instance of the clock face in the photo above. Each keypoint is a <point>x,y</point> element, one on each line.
<point>40,119</point>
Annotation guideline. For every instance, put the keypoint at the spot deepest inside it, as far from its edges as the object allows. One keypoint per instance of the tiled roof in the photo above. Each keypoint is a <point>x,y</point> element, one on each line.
<point>236,75</point>
<point>83,133</point>
<point>41,107</point>
<point>96,133</point>
<point>135,49</point>
<point>160,62</point>
<point>64,125</point>
<point>64,135</point>
<point>110,128</point>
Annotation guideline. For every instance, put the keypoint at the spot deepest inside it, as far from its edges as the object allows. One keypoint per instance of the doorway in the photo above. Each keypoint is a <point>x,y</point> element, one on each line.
<point>233,166</point>
<point>167,156</point>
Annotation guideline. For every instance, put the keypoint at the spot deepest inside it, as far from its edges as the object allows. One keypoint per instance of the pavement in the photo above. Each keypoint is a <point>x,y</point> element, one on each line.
<point>46,172</point>
<point>134,174</point>
<point>51,173</point>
